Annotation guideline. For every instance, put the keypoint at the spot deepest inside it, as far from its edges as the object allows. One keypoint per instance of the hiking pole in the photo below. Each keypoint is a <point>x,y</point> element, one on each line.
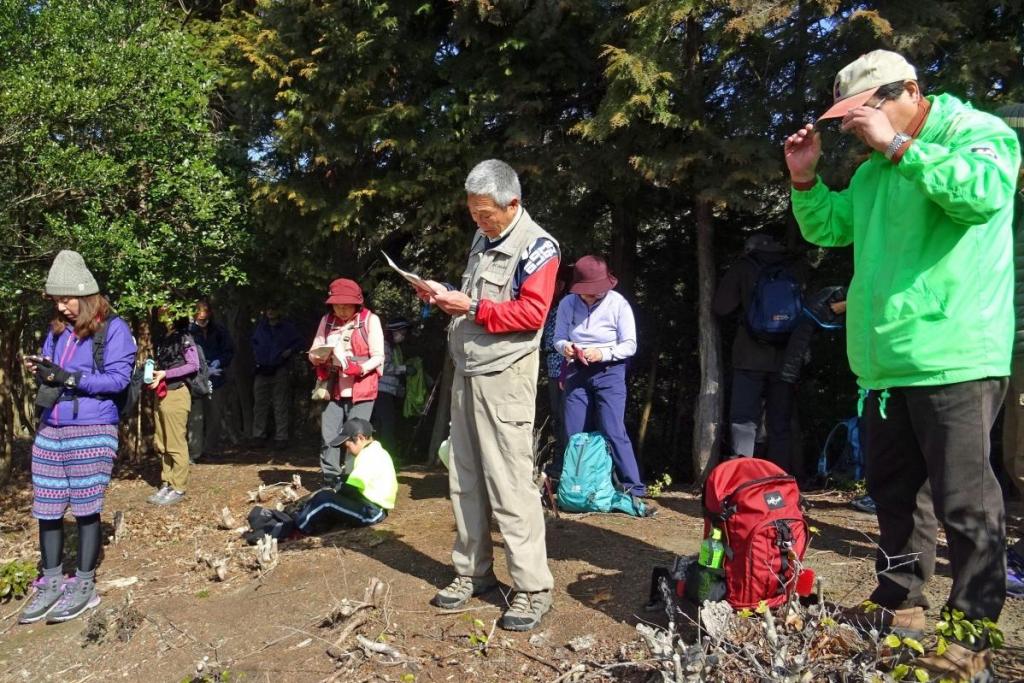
<point>419,423</point>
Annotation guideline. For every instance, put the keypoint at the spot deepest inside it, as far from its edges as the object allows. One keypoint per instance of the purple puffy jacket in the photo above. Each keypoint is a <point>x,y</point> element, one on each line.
<point>95,390</point>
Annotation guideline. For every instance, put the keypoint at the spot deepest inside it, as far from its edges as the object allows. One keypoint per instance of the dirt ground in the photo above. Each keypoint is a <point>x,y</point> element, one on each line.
<point>266,626</point>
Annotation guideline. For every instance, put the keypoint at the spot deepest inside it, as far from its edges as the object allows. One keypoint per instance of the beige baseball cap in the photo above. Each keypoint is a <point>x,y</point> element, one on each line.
<point>858,81</point>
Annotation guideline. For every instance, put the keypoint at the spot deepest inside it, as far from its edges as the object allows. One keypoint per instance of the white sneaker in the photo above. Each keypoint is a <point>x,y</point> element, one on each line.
<point>159,495</point>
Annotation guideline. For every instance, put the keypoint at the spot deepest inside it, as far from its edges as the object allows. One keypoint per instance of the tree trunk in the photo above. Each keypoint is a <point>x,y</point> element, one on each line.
<point>624,246</point>
<point>16,397</point>
<point>708,415</point>
<point>645,411</point>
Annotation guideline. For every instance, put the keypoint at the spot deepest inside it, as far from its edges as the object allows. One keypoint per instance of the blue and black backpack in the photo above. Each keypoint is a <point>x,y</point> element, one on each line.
<point>588,482</point>
<point>775,305</point>
<point>845,461</point>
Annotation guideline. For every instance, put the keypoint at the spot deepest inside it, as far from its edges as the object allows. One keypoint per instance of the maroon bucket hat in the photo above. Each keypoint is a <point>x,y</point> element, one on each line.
<point>590,276</point>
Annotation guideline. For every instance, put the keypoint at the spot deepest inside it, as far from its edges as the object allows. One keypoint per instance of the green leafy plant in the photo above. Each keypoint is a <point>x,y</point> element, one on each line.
<point>477,635</point>
<point>16,578</point>
<point>954,625</point>
<point>658,486</point>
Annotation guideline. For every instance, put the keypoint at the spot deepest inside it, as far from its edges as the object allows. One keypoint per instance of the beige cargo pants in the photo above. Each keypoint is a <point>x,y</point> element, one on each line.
<point>171,437</point>
<point>491,471</point>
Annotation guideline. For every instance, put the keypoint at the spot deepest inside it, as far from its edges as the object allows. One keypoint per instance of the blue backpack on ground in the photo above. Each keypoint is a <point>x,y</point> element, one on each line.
<point>844,463</point>
<point>588,480</point>
<point>775,304</point>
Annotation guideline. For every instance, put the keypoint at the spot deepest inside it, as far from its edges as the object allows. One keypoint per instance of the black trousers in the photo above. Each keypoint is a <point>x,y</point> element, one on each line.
<point>928,463</point>
<point>749,387</point>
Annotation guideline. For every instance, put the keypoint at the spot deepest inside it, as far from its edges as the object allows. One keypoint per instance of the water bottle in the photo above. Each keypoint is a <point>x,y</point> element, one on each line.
<point>147,371</point>
<point>712,550</point>
<point>710,580</point>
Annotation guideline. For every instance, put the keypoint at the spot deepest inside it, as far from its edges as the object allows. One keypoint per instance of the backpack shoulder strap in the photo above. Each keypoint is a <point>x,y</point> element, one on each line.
<point>361,324</point>
<point>99,345</point>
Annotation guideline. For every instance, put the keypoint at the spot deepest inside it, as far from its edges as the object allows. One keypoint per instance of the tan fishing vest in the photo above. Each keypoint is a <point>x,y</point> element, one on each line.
<point>488,275</point>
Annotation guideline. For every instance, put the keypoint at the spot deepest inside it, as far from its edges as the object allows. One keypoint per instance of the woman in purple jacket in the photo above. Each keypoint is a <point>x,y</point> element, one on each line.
<point>76,442</point>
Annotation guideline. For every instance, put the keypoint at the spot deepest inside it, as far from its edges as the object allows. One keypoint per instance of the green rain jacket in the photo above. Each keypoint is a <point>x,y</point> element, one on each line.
<point>931,301</point>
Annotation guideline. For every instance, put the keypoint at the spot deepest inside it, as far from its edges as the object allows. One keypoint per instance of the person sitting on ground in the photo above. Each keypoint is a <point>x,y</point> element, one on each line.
<point>361,498</point>
<point>204,422</point>
<point>274,342</point>
<point>596,332</point>
<point>76,441</point>
<point>177,361</point>
<point>353,339</point>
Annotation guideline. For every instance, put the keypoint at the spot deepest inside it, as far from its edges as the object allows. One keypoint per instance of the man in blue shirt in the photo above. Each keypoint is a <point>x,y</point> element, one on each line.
<point>274,342</point>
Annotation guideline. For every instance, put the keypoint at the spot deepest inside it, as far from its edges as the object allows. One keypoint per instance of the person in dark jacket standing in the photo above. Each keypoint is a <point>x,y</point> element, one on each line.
<point>1013,417</point>
<point>204,422</point>
<point>76,442</point>
<point>274,342</point>
<point>755,364</point>
<point>386,409</point>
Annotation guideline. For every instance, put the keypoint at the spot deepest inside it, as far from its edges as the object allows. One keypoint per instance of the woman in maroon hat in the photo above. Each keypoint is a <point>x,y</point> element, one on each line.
<point>348,352</point>
<point>596,332</point>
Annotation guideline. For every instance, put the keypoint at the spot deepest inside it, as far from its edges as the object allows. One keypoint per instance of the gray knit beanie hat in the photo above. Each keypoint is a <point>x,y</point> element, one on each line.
<point>69,276</point>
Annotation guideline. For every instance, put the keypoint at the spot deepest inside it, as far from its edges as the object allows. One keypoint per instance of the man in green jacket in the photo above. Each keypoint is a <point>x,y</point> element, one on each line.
<point>929,326</point>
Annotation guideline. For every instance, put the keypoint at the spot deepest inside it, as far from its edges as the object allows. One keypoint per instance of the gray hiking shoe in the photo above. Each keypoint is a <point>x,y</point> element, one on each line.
<point>171,497</point>
<point>461,589</point>
<point>44,598</point>
<point>526,611</point>
<point>158,496</point>
<point>78,596</point>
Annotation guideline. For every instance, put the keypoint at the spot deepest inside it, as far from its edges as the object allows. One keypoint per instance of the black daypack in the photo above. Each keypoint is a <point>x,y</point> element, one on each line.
<point>199,385</point>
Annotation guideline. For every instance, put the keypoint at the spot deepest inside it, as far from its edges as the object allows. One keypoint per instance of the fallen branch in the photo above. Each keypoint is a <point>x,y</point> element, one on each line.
<point>369,646</point>
<point>336,649</point>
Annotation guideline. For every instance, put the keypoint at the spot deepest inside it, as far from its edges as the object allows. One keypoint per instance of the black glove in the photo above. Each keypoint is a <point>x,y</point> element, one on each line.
<point>55,376</point>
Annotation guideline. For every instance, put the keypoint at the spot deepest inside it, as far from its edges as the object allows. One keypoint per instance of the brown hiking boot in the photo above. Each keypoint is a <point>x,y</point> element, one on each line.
<point>958,663</point>
<point>906,623</point>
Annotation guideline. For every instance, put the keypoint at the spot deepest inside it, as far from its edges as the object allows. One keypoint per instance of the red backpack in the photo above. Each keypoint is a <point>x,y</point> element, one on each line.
<point>757,507</point>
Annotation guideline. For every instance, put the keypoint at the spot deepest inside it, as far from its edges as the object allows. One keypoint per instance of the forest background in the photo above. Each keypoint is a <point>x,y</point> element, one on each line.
<point>253,151</point>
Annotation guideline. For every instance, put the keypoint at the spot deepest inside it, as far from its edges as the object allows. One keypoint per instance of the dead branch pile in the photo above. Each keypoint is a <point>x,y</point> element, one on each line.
<point>363,626</point>
<point>792,644</point>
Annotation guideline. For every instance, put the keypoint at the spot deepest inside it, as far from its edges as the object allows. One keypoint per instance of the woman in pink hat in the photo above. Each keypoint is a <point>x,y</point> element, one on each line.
<point>348,352</point>
<point>596,332</point>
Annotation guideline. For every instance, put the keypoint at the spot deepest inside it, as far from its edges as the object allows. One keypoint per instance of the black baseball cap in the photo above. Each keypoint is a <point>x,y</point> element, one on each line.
<point>355,426</point>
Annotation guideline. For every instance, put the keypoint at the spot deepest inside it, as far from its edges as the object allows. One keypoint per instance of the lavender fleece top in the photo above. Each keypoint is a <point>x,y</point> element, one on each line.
<point>95,390</point>
<point>608,325</point>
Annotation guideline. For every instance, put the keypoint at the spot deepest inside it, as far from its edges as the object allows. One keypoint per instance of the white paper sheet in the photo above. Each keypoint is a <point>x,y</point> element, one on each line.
<point>412,278</point>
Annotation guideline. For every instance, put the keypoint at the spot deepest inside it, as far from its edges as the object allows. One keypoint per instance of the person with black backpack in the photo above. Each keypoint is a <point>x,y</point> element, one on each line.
<point>765,287</point>
<point>77,437</point>
<point>176,379</point>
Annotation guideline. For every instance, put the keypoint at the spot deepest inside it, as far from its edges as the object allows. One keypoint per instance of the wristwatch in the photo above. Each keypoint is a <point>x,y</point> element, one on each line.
<point>473,304</point>
<point>898,141</point>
